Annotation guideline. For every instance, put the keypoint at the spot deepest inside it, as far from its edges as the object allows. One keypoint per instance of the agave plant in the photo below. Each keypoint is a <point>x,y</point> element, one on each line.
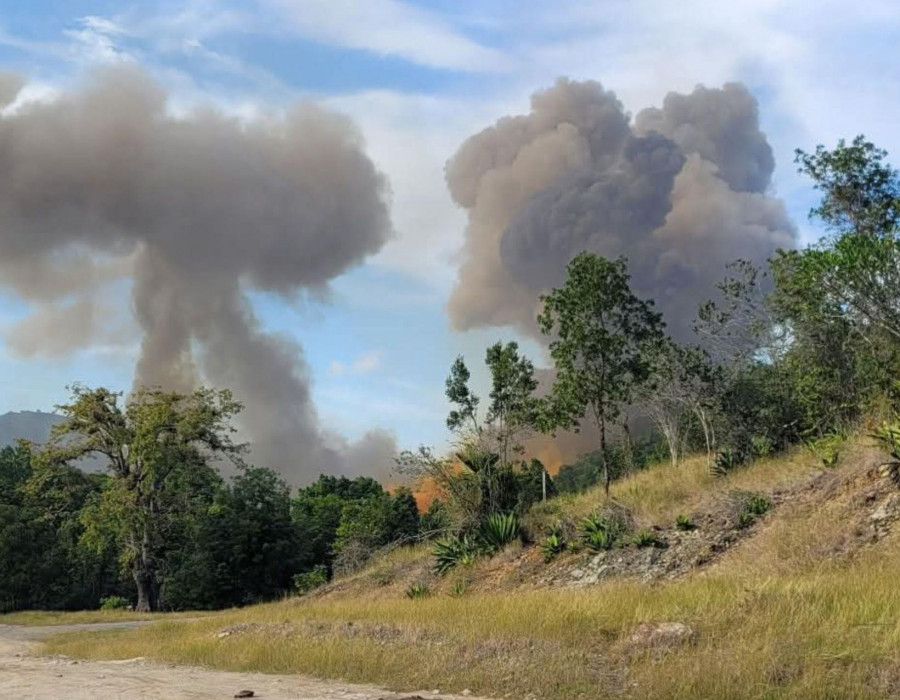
<point>418,590</point>
<point>726,461</point>
<point>604,529</point>
<point>598,540</point>
<point>685,522</point>
<point>553,545</point>
<point>645,538</point>
<point>498,530</point>
<point>454,551</point>
<point>458,589</point>
<point>754,506</point>
<point>888,437</point>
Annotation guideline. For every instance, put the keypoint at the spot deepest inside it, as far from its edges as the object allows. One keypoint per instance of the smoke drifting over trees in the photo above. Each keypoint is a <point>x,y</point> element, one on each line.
<point>104,184</point>
<point>680,191</point>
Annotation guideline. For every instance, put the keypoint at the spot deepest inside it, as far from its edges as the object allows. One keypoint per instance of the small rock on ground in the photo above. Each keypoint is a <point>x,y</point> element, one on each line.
<point>664,634</point>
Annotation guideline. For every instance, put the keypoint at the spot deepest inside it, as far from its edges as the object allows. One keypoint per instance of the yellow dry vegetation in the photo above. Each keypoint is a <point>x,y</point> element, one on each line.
<point>47,618</point>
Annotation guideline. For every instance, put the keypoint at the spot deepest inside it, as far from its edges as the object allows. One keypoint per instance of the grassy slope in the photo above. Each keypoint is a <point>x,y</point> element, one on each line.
<point>803,608</point>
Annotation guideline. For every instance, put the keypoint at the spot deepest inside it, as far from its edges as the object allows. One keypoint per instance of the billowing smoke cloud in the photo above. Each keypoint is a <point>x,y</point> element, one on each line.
<point>681,191</point>
<point>103,184</point>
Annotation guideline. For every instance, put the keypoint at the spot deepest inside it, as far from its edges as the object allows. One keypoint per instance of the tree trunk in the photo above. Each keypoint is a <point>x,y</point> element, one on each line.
<point>604,462</point>
<point>146,588</point>
<point>144,577</point>
<point>629,447</point>
<point>671,435</point>
<point>705,428</point>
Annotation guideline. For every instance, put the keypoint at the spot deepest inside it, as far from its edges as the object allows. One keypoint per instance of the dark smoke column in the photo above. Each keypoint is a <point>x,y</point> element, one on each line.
<point>681,192</point>
<point>104,183</point>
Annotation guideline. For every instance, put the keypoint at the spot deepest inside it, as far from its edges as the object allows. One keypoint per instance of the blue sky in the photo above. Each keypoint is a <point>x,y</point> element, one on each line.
<point>418,78</point>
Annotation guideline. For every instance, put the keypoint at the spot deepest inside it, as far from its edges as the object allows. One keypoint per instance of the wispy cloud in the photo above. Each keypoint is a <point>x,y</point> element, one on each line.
<point>366,363</point>
<point>390,28</point>
<point>96,41</point>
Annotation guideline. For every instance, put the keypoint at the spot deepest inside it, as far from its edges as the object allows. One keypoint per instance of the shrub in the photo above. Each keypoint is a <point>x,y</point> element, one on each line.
<point>684,522</point>
<point>353,555</point>
<point>761,446</point>
<point>310,580</point>
<point>114,602</point>
<point>418,590</point>
<point>827,449</point>
<point>454,551</point>
<point>498,530</point>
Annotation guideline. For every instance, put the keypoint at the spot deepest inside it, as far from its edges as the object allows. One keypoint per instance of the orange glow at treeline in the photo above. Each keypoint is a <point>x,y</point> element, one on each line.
<point>548,452</point>
<point>425,491</point>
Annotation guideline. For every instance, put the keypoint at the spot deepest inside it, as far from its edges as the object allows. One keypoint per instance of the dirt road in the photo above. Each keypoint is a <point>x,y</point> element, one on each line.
<point>23,674</point>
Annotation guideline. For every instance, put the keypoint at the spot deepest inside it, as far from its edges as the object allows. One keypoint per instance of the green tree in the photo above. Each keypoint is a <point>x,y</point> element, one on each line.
<point>369,524</point>
<point>580,475</point>
<point>855,270</point>
<point>150,444</point>
<point>682,395</point>
<point>860,191</point>
<point>15,468</point>
<point>488,448</point>
<point>405,518</point>
<point>318,508</point>
<point>837,299</point>
<point>602,344</point>
<point>244,548</point>
<point>513,409</point>
<point>23,558</point>
<point>533,480</point>
<point>465,415</point>
<point>435,521</point>
<point>57,495</point>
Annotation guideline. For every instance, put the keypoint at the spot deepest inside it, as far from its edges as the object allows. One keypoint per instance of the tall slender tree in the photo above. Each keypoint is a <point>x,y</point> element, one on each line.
<point>603,342</point>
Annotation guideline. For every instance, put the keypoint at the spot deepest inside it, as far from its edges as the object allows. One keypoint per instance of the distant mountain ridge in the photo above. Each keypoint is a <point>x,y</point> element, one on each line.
<point>36,426</point>
<point>27,425</point>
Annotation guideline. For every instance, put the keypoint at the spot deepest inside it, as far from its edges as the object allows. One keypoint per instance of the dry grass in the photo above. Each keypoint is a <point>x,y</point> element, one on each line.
<point>827,634</point>
<point>43,618</point>
<point>790,613</point>
<point>655,496</point>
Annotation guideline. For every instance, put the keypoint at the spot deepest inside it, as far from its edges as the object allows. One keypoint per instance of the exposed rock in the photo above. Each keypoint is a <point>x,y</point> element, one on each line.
<point>661,635</point>
<point>244,694</point>
<point>890,470</point>
<point>886,514</point>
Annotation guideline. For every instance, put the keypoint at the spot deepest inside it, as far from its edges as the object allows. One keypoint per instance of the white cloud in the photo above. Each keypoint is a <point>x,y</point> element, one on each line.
<point>97,41</point>
<point>410,137</point>
<point>365,363</point>
<point>390,28</point>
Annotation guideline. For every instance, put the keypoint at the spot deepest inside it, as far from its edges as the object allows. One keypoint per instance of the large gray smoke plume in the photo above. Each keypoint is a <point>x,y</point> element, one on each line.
<point>681,191</point>
<point>104,183</point>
